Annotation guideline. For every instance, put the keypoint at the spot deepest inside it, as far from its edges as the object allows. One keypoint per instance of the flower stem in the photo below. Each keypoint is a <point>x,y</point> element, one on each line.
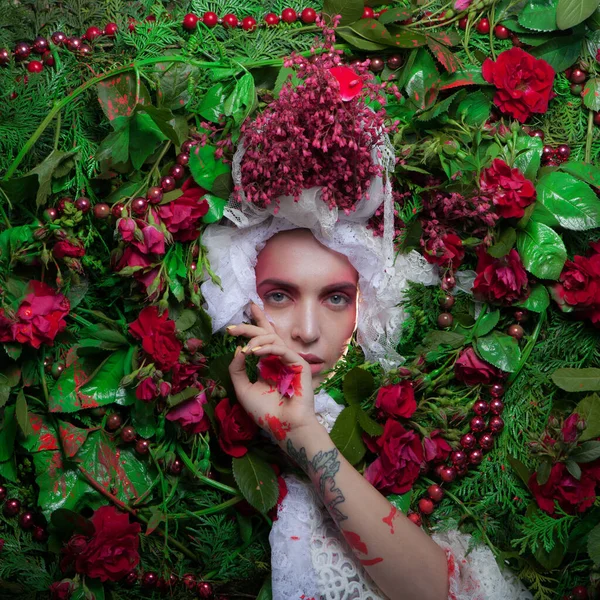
<point>207,480</point>
<point>589,137</point>
<point>207,511</point>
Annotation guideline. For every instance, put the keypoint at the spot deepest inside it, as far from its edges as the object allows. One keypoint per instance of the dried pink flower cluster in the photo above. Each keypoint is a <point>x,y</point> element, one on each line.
<point>310,136</point>
<point>376,222</point>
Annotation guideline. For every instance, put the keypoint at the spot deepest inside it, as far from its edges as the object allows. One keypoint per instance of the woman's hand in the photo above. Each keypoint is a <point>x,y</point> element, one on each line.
<point>270,410</point>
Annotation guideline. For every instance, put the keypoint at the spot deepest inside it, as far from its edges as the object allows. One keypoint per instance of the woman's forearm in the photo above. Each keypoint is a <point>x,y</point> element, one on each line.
<point>400,557</point>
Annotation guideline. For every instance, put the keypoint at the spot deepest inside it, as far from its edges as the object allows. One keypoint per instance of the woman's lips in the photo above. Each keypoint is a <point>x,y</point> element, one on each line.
<point>316,362</point>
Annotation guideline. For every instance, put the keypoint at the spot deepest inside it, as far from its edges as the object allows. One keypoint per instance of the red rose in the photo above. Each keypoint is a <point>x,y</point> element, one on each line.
<point>573,496</point>
<point>436,448</point>
<point>500,280</point>
<point>511,193</point>
<point>579,283</point>
<point>66,248</point>
<point>131,257</point>
<point>471,370</point>
<point>185,375</point>
<point>40,316</point>
<point>157,334</point>
<point>397,400</point>
<point>236,427</point>
<point>400,456</point>
<point>448,252</point>
<point>126,228</point>
<point>148,280</point>
<point>190,414</point>
<point>524,83</point>
<point>146,391</point>
<point>61,590</point>
<point>182,216</point>
<point>112,552</point>
<point>153,241</point>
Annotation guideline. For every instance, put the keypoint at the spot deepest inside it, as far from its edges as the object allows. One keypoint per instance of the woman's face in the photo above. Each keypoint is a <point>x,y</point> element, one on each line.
<point>310,293</point>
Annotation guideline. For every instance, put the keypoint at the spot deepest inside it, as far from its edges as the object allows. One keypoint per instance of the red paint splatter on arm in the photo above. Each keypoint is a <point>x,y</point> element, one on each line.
<point>277,427</point>
<point>389,519</point>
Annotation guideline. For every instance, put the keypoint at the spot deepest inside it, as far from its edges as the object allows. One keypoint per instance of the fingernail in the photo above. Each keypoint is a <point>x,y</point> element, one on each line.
<point>245,348</point>
<point>256,348</point>
<point>230,327</point>
<point>237,350</point>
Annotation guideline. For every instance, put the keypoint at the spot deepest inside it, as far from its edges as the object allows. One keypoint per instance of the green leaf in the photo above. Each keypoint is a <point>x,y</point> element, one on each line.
<point>423,81</point>
<point>11,241</point>
<point>346,435</point>
<point>586,452</point>
<point>175,269</point>
<point>266,591</point>
<point>358,385</point>
<point>593,545</point>
<point>350,10</point>
<point>445,56</point>
<point>359,42</point>
<point>540,16</point>
<point>577,380</point>
<point>551,560</point>
<point>117,96</point>
<point>400,501</point>
<point>542,250</point>
<point>561,52</point>
<point>571,201</point>
<point>369,425</point>
<point>529,155</point>
<point>42,435</point>
<point>95,589</point>
<point>185,320</point>
<point>211,107</point>
<point>543,472</point>
<point>572,12</point>
<point>56,164</point>
<point>173,80</point>
<point>591,93</point>
<point>466,76</point>
<point>573,468</point>
<point>144,137</point>
<point>8,433</point>
<point>434,339</point>
<point>143,418</point>
<point>589,409</point>
<point>504,243</point>
<point>103,387</point>
<point>163,118</point>
<point>241,101</point>
<point>475,109</point>
<point>216,207</point>
<point>585,171</point>
<point>4,394</point>
<point>404,38</point>
<point>256,480</point>
<point>520,469</point>
<point>393,15</point>
<point>438,109</point>
<point>64,396</point>
<point>21,413</point>
<point>205,168</point>
<point>487,323</point>
<point>68,522</point>
<point>500,350</point>
<point>538,299</point>
<point>71,437</point>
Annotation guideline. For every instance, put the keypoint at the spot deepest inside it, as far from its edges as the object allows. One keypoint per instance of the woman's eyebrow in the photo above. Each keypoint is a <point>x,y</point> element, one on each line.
<point>342,285</point>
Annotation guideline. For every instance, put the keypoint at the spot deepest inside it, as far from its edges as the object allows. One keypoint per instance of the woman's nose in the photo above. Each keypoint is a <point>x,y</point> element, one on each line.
<point>306,322</point>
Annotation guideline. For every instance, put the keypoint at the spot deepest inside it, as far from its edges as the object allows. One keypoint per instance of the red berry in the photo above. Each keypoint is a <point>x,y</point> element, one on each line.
<point>83,204</point>
<point>176,467</point>
<point>190,21</point>
<point>189,581</point>
<point>597,118</point>
<point>113,422</point>
<point>167,183</point>
<point>501,32</point>
<point>40,45</point>
<point>486,441</point>
<point>111,29</point>
<point>271,19</point>
<point>426,506</point>
<point>128,434</point>
<point>462,23</point>
<point>477,424</point>
<point>48,59</point>
<point>230,21</point>
<point>132,24</point>
<point>448,474</point>
<point>85,49</point>
<point>496,424</point>
<point>563,151</point>
<point>205,590</point>
<point>58,38</point>
<point>580,592</point>
<point>149,580</point>
<point>368,13</point>
<point>308,15</point>
<point>4,57</point>
<point>475,457</point>
<point>50,214</point>
<point>516,331</point>
<point>26,520</point>
<point>497,389</point>
<point>12,507</point>
<point>142,447</point>
<point>288,15</point>
<point>576,89</point>
<point>177,172</point>
<point>22,51</point>
<point>416,519</point>
<point>154,194</point>
<point>150,19</point>
<point>183,158</point>
<point>92,33</point>
<point>210,19</point>
<point>436,493</point>
<point>73,44</point>
<point>35,66</point>
<point>468,441</point>
<point>39,534</point>
<point>116,210</point>
<point>139,206</point>
<point>101,211</point>
<point>248,23</point>
<point>578,76</point>
<point>483,26</point>
<point>3,492</point>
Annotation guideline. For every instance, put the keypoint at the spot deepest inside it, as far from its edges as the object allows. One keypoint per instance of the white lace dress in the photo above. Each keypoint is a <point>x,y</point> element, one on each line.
<point>311,560</point>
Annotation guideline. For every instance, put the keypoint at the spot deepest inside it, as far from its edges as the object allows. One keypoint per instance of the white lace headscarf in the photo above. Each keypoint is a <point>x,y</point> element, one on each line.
<point>233,250</point>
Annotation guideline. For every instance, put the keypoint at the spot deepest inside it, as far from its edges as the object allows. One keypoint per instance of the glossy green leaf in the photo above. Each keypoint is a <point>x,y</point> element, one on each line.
<point>589,409</point>
<point>144,137</point>
<point>346,435</point>
<point>176,269</point>
<point>68,522</point>
<point>585,171</point>
<point>4,394</point>
<point>143,418</point>
<point>423,81</point>
<point>573,468</point>
<point>520,469</point>
<point>118,95</point>
<point>572,202</point>
<point>444,55</point>
<point>540,16</point>
<point>358,385</point>
<point>173,82</point>
<point>71,437</point>
<point>577,380</point>
<point>43,435</point>
<point>504,243</point>
<point>56,164</point>
<point>438,109</point>
<point>550,560</point>
<point>8,469</point>
<point>163,118</point>
<point>394,14</point>
<point>475,108</point>
<point>241,100</point>
<point>404,38</point>
<point>561,52</point>
<point>586,452</point>
<point>572,12</point>
<point>64,396</point>
<point>369,425</point>
<point>538,299</point>
<point>591,93</point>
<point>8,433</point>
<point>542,250</point>
<point>266,591</point>
<point>500,350</point>
<point>359,42</point>
<point>21,414</point>
<point>205,168</point>
<point>401,501</point>
<point>102,388</point>
<point>350,10</point>
<point>211,107</point>
<point>216,207</point>
<point>487,323</point>
<point>256,480</point>
<point>466,76</point>
<point>529,155</point>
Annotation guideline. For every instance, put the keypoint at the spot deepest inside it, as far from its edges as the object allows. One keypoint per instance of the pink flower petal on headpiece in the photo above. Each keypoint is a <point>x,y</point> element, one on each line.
<point>350,83</point>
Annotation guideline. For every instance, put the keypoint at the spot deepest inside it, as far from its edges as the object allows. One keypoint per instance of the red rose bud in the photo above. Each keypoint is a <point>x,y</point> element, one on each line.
<point>61,590</point>
<point>236,428</point>
<point>190,414</point>
<point>472,370</point>
<point>397,400</point>
<point>67,248</point>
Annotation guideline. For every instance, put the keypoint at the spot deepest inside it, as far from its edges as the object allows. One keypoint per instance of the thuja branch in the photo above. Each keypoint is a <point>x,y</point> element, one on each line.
<point>187,461</point>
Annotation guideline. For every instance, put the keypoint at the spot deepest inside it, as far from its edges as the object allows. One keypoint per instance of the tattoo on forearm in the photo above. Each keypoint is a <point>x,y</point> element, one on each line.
<point>322,469</point>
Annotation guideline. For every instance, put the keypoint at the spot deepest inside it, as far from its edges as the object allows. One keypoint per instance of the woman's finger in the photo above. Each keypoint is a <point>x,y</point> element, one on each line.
<point>261,318</point>
<point>262,340</point>
<point>237,370</point>
<point>245,329</point>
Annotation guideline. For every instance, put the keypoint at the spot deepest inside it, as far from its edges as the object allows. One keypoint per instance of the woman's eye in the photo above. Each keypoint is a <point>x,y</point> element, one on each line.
<point>338,300</point>
<point>277,297</point>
